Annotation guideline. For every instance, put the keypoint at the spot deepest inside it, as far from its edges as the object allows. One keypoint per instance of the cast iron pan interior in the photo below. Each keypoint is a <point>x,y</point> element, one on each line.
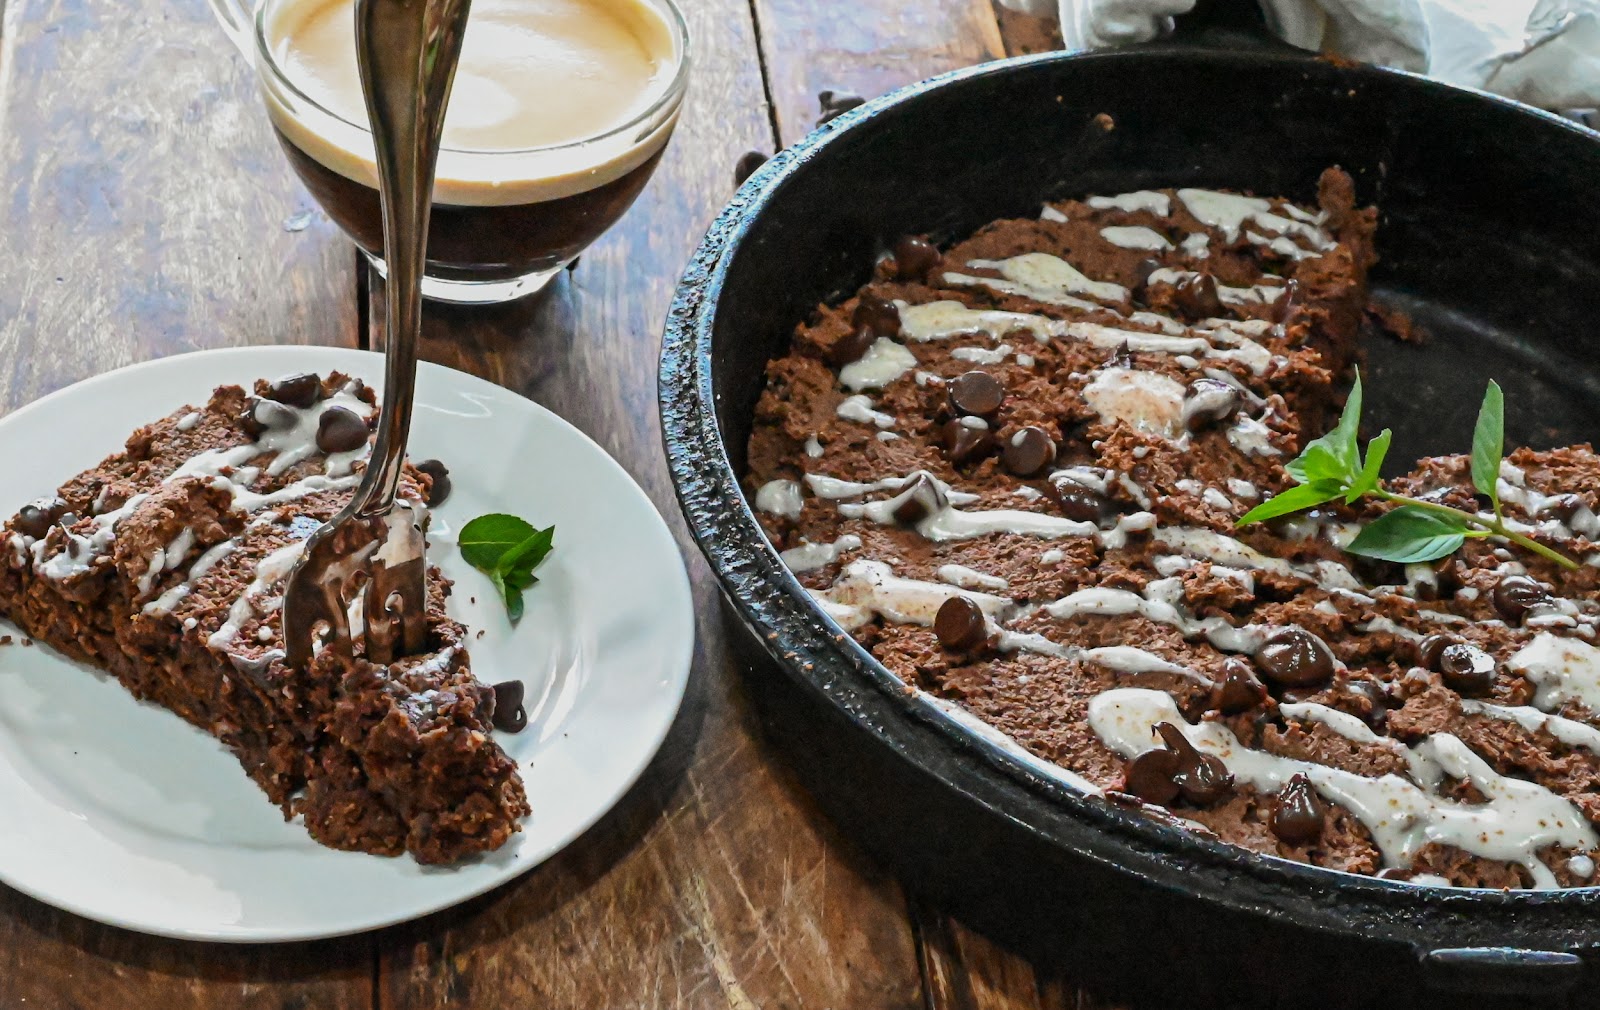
<point>1490,238</point>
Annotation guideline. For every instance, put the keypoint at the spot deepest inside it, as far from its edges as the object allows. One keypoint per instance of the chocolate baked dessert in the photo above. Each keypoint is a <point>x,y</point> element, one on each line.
<point>1014,471</point>
<point>164,565</point>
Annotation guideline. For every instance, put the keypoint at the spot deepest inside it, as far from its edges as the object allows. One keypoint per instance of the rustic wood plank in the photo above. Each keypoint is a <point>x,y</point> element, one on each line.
<point>864,48</point>
<point>145,210</point>
<point>714,883</point>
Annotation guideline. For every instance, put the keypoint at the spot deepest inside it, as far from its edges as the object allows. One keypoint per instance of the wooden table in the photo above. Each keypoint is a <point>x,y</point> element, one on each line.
<point>146,210</point>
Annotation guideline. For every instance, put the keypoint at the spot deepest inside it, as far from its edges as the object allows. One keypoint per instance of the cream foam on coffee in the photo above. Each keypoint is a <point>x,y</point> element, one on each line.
<point>534,75</point>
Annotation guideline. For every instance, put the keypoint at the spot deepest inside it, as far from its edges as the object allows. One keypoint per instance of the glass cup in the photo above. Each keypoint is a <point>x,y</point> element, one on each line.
<point>504,222</point>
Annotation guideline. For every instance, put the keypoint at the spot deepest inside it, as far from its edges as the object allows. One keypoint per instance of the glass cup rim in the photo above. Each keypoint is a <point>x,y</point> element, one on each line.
<point>678,25</point>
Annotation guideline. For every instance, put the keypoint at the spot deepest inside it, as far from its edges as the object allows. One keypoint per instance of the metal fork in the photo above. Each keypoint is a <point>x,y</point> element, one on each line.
<point>407,52</point>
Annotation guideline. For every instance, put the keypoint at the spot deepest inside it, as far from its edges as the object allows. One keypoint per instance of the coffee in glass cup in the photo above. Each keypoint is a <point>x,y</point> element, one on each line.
<point>559,113</point>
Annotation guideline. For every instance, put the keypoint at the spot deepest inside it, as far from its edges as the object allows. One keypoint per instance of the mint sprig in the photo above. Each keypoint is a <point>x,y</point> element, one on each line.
<point>506,549</point>
<point>1334,467</point>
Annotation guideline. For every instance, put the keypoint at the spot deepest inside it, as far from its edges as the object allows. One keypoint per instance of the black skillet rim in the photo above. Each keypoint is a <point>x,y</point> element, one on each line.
<point>773,605</point>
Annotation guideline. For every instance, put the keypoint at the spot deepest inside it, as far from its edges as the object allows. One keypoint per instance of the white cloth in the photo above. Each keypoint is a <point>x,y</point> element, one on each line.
<point>1543,52</point>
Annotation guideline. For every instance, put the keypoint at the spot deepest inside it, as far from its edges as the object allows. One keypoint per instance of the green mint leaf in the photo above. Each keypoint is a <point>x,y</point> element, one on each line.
<point>1336,455</point>
<point>1377,449</point>
<point>1295,499</point>
<point>486,539</point>
<point>1410,534</point>
<point>517,565</point>
<point>1489,443</point>
<point>506,549</point>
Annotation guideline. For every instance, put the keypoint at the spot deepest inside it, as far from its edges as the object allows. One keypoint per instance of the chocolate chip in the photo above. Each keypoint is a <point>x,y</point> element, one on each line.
<point>1240,689</point>
<point>1140,292</point>
<point>439,490</point>
<point>915,258</point>
<point>1515,595</point>
<point>976,394</point>
<point>1466,669</point>
<point>836,103</point>
<point>341,429</point>
<point>1297,817</point>
<point>299,390</point>
<point>1196,297</point>
<point>1377,700</point>
<point>1149,776</point>
<point>1562,507</point>
<point>509,715</point>
<point>1429,648</point>
<point>1202,778</point>
<point>918,500</point>
<point>1075,502</point>
<point>879,315</point>
<point>1207,402</point>
<point>963,443</point>
<point>959,624</point>
<point>1122,357</point>
<point>851,346</point>
<point>747,165</point>
<point>35,518</point>
<point>1028,451</point>
<point>1294,657</point>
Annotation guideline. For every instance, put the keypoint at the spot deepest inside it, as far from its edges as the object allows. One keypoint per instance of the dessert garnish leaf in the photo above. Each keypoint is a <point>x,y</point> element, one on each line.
<point>507,549</point>
<point>1333,466</point>
<point>1488,444</point>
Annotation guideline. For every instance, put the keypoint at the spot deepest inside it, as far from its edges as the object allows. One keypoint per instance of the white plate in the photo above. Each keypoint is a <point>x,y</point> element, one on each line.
<point>122,812</point>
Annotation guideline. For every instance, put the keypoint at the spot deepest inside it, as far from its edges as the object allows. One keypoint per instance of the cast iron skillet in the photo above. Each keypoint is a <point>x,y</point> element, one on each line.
<point>1490,238</point>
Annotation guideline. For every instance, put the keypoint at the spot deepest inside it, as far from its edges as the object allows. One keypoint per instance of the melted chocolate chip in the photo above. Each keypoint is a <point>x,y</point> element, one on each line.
<point>1075,502</point>
<point>1429,648</point>
<point>1122,357</point>
<point>439,490</point>
<point>1240,690</point>
<point>851,346</point>
<point>1377,701</point>
<point>509,715</point>
<point>747,165</point>
<point>878,315</point>
<point>1207,402</point>
<point>963,444</point>
<point>1202,779</point>
<point>915,258</point>
<point>1297,818</point>
<point>1196,297</point>
<point>299,390</point>
<point>262,415</point>
<point>1466,669</point>
<point>1140,292</point>
<point>35,518</point>
<point>341,429</point>
<point>918,500</point>
<point>1150,776</point>
<point>959,624</point>
<point>1515,595</point>
<point>976,394</point>
<point>1028,451</point>
<point>1294,657</point>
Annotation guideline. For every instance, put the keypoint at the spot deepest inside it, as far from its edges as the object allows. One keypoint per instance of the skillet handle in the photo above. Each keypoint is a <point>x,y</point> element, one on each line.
<point>1228,25</point>
<point>1502,970</point>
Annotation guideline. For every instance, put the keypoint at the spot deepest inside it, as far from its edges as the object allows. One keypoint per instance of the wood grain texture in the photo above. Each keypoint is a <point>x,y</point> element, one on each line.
<point>144,207</point>
<point>145,210</point>
<point>714,883</point>
<point>867,48</point>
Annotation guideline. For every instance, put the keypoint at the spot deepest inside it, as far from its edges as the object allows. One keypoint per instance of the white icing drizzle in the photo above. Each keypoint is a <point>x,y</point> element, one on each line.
<point>809,556</point>
<point>188,421</point>
<point>1158,604</point>
<point>1228,212</point>
<point>1049,213</point>
<point>1136,238</point>
<point>813,447</point>
<point>860,408</point>
<point>887,436</point>
<point>1569,731</point>
<point>204,563</point>
<point>166,558</point>
<point>884,362</point>
<point>1156,203</point>
<point>982,355</point>
<point>1516,821</point>
<point>1042,277</point>
<point>1242,488</point>
<point>1257,294</point>
<point>870,588</point>
<point>1561,668</point>
<point>1053,556</point>
<point>1252,437</point>
<point>270,571</point>
<point>780,498</point>
<point>1197,246</point>
<point>941,319</point>
<point>1148,402</point>
<point>970,578</point>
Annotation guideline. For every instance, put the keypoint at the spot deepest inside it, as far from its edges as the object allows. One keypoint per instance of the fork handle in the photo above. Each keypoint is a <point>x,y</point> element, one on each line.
<point>407,52</point>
